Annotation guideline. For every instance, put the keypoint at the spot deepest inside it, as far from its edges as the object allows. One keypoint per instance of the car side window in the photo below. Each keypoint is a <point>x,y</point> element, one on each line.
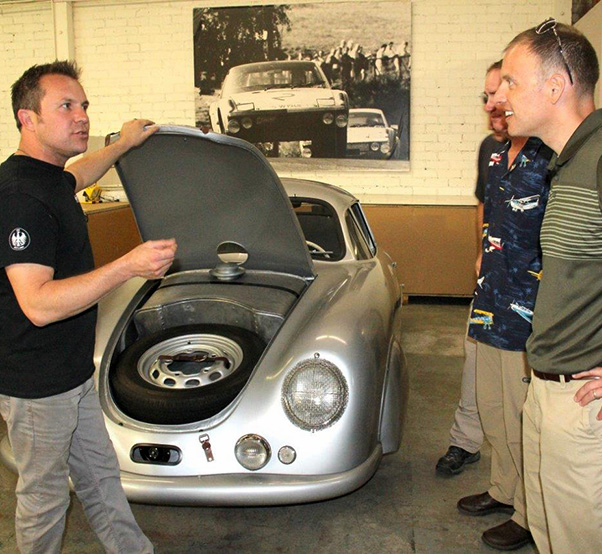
<point>362,222</point>
<point>321,228</point>
<point>359,246</point>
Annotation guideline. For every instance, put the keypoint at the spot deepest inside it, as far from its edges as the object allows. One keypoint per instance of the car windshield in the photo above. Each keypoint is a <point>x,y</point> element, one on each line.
<point>366,119</point>
<point>321,228</point>
<point>248,78</point>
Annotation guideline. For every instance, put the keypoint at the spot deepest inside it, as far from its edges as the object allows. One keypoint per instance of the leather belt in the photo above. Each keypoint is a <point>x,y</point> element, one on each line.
<point>552,376</point>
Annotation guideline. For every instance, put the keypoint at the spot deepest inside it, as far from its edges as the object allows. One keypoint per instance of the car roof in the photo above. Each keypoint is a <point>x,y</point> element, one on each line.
<point>366,110</point>
<point>273,64</point>
<point>338,198</point>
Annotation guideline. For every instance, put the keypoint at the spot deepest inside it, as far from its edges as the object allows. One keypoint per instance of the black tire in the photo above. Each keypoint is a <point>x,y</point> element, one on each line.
<point>341,143</point>
<point>150,402</point>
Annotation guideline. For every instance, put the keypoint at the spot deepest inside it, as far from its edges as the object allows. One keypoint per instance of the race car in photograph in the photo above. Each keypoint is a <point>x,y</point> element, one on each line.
<point>271,102</point>
<point>266,367</point>
<point>369,136</point>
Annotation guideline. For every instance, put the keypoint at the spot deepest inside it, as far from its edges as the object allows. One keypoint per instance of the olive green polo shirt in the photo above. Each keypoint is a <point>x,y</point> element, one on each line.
<point>567,324</point>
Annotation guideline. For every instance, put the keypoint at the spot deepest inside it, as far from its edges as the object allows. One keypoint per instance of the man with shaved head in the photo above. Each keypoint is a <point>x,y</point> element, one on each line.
<point>549,74</point>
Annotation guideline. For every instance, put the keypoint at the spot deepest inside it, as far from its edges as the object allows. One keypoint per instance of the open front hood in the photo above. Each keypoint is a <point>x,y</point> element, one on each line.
<point>207,189</point>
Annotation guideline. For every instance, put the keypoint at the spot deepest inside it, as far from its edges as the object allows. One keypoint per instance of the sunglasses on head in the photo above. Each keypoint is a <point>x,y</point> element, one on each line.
<point>550,25</point>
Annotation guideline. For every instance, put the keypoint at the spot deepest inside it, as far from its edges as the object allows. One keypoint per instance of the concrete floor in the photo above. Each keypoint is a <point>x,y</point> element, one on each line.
<point>404,508</point>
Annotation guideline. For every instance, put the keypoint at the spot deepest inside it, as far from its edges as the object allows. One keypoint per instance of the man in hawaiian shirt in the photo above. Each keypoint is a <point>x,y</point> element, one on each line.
<point>500,322</point>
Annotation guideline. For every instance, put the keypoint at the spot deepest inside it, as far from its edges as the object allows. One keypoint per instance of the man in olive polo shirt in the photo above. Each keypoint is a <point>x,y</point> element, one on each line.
<point>549,74</point>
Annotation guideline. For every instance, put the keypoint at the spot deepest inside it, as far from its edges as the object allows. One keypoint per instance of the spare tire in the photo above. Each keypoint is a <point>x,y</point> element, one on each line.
<point>184,374</point>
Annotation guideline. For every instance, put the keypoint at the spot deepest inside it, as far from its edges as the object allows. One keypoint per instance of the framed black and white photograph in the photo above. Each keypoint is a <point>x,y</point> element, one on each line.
<point>326,82</point>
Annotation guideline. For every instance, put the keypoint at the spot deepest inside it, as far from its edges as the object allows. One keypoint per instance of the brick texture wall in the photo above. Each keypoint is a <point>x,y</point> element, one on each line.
<point>26,37</point>
<point>137,62</point>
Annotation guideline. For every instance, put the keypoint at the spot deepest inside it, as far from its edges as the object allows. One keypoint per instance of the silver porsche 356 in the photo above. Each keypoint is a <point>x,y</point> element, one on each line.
<point>266,367</point>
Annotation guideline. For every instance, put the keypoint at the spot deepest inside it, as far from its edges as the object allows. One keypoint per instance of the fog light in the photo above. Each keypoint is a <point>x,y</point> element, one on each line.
<point>328,118</point>
<point>341,121</point>
<point>233,126</point>
<point>314,394</point>
<point>374,146</point>
<point>252,452</point>
<point>287,455</point>
<point>247,122</point>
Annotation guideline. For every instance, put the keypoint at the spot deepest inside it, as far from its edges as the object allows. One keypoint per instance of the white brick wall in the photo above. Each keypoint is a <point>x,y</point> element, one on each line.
<point>26,38</point>
<point>137,62</point>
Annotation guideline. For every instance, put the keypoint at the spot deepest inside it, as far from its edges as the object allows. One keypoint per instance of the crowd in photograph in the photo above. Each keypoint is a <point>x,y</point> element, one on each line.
<point>348,62</point>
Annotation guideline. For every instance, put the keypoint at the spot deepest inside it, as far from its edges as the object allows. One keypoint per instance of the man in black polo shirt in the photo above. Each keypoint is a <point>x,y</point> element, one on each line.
<point>48,294</point>
<point>549,74</point>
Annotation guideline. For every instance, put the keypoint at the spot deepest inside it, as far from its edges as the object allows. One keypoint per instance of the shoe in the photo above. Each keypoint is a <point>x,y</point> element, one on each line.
<point>507,536</point>
<point>455,459</point>
<point>482,505</point>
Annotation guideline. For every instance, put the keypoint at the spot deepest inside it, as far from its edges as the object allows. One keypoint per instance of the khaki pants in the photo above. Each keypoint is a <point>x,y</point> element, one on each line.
<point>502,383</point>
<point>466,432</point>
<point>563,469</point>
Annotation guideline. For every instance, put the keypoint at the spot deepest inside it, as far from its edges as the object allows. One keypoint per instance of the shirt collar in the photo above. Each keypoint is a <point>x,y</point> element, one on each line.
<point>588,126</point>
<point>530,149</point>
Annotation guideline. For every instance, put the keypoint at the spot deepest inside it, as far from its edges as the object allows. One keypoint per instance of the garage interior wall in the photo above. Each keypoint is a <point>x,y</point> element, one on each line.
<point>137,61</point>
<point>591,26</point>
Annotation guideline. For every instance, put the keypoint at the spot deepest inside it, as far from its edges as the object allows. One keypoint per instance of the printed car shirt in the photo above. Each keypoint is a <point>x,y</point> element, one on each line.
<point>515,202</point>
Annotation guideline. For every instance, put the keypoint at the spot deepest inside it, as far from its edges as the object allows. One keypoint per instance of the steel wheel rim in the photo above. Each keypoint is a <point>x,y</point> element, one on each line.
<point>161,375</point>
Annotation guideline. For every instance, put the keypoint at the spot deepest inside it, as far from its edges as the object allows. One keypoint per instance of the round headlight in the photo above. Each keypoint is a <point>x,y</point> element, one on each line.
<point>252,452</point>
<point>247,122</point>
<point>385,148</point>
<point>374,146</point>
<point>233,126</point>
<point>341,121</point>
<point>314,394</point>
<point>328,118</point>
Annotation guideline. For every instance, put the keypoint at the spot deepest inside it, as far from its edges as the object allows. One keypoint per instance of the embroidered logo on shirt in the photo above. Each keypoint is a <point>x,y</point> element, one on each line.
<point>19,239</point>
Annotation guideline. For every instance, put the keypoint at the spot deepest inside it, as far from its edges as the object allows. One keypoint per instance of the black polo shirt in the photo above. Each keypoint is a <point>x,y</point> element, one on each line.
<point>488,146</point>
<point>41,223</point>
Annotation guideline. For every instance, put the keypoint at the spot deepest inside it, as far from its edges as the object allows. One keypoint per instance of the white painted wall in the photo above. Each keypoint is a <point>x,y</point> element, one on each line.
<point>591,26</point>
<point>137,62</point>
<point>26,37</point>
